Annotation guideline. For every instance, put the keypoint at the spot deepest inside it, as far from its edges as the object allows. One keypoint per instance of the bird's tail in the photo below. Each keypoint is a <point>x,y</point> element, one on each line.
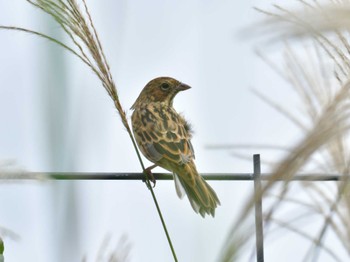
<point>201,195</point>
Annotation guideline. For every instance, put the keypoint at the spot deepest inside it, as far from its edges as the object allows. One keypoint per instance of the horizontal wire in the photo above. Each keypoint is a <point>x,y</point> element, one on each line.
<point>160,176</point>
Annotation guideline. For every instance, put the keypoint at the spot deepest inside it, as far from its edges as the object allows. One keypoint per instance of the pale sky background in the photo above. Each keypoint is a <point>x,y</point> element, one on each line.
<point>55,116</point>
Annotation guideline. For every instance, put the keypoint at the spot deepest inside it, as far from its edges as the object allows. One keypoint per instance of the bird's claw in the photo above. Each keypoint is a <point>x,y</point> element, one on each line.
<point>150,176</point>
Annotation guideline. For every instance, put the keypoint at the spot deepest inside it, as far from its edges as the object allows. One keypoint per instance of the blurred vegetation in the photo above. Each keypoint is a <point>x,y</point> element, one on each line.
<point>316,64</point>
<point>1,247</point>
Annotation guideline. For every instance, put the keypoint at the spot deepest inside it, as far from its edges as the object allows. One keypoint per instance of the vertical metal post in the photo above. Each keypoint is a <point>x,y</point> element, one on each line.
<point>259,230</point>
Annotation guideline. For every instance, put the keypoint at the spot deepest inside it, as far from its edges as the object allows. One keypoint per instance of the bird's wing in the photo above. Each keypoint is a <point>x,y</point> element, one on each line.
<point>163,135</point>
<point>173,141</point>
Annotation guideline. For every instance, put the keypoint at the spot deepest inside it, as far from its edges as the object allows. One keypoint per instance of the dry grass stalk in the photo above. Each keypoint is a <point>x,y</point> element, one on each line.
<point>79,27</point>
<point>325,99</point>
<point>119,253</point>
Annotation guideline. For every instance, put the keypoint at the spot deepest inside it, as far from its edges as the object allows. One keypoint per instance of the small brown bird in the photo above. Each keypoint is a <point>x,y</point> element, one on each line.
<point>164,137</point>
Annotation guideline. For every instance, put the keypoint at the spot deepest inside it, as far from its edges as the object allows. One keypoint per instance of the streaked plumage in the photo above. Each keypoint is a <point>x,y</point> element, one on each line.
<point>164,137</point>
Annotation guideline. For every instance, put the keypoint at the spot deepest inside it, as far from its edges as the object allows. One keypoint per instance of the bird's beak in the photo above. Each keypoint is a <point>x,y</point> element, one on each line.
<point>182,87</point>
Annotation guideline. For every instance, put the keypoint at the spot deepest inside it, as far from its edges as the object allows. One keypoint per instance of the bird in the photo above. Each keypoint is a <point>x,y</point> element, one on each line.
<point>164,138</point>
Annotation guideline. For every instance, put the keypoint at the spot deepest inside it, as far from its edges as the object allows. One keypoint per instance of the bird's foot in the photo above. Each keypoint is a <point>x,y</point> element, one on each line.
<point>148,172</point>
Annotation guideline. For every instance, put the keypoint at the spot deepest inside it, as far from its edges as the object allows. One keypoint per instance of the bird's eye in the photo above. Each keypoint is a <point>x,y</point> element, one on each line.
<point>164,86</point>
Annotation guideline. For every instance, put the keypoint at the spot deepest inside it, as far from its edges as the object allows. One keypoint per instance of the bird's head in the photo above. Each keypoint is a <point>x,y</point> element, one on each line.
<point>161,89</point>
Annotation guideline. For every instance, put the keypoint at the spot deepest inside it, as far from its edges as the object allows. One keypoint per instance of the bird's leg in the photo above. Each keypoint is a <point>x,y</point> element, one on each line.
<point>150,175</point>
